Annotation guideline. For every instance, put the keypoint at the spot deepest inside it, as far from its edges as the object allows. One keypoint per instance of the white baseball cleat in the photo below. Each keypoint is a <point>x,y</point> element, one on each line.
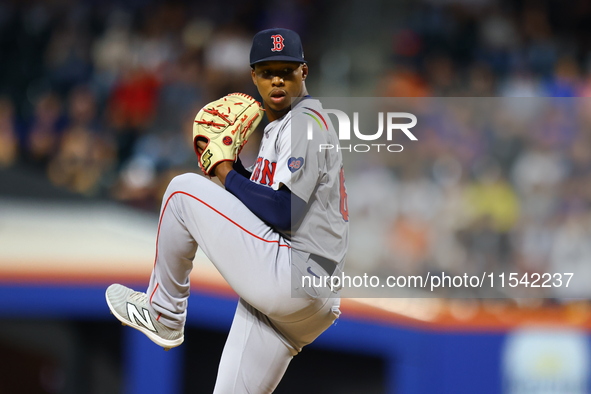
<point>131,309</point>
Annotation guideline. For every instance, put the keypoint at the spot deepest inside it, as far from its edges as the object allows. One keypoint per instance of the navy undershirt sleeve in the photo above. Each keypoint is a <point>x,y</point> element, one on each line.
<point>272,206</point>
<point>239,167</point>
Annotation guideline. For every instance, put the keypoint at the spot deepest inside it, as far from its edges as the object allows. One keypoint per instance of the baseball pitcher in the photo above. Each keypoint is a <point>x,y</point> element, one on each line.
<point>282,219</point>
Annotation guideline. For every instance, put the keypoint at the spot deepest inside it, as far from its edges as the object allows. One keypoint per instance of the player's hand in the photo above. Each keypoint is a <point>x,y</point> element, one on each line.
<point>201,146</point>
<point>220,170</point>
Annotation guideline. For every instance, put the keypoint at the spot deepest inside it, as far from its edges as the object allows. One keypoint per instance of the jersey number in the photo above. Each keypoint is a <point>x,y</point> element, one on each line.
<point>343,192</point>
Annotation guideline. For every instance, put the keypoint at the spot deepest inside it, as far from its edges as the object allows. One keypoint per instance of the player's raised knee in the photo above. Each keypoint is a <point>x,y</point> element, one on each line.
<point>184,182</point>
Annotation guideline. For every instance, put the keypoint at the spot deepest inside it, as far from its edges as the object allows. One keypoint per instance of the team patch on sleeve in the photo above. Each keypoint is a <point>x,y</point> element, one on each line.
<point>295,164</point>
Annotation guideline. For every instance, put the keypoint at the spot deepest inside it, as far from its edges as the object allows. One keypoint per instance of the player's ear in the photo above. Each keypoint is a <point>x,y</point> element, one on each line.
<point>253,76</point>
<point>304,71</point>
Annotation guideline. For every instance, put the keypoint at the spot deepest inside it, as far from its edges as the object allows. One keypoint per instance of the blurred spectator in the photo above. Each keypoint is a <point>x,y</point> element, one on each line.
<point>181,94</point>
<point>131,108</point>
<point>481,81</point>
<point>8,137</point>
<point>154,45</point>
<point>373,205</point>
<point>81,160</point>
<point>403,82</point>
<point>447,253</point>
<point>83,155</point>
<point>491,198</point>
<point>578,182</point>
<point>67,55</point>
<point>156,159</point>
<point>226,62</point>
<point>536,175</point>
<point>571,252</point>
<point>111,52</point>
<point>408,243</point>
<point>45,129</point>
<point>493,211</point>
<point>82,108</point>
<point>541,48</point>
<point>520,83</point>
<point>565,81</point>
<point>441,75</point>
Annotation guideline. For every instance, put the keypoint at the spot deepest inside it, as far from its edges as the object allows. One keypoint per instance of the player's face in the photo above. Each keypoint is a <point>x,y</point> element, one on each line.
<point>278,83</point>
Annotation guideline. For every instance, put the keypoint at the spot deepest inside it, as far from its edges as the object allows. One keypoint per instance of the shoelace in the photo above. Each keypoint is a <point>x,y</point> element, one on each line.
<point>138,296</point>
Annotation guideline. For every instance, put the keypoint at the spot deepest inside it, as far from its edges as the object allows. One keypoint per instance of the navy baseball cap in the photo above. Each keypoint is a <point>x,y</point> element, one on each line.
<point>276,44</point>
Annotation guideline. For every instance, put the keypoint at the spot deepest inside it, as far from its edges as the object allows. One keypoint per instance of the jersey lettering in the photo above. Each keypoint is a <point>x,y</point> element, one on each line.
<point>344,206</point>
<point>257,169</point>
<point>268,173</point>
<point>264,171</point>
<point>277,43</point>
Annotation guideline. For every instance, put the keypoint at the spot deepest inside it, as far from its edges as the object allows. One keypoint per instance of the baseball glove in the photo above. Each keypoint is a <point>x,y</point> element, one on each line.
<point>225,125</point>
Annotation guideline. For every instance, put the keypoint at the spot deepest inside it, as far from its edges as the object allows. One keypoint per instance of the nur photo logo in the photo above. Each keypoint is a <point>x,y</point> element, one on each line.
<point>389,125</point>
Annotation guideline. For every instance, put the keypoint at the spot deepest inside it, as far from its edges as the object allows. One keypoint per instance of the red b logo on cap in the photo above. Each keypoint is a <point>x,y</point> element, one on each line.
<point>277,43</point>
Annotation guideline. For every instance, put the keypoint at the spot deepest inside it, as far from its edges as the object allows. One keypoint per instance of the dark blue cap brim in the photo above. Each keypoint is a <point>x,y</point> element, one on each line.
<point>279,59</point>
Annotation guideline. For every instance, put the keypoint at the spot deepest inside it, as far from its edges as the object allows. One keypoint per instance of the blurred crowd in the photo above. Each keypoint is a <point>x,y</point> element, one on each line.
<point>496,185</point>
<point>486,48</point>
<point>100,97</point>
<point>492,185</point>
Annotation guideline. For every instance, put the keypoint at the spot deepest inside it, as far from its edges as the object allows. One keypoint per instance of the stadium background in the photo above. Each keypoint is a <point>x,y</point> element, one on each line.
<point>96,102</point>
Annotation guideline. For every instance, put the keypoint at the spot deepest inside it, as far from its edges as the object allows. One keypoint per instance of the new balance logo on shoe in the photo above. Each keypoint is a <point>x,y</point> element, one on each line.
<point>135,316</point>
<point>131,308</point>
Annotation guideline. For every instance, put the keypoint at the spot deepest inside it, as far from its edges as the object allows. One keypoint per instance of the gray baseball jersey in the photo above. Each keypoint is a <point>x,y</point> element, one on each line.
<point>292,155</point>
